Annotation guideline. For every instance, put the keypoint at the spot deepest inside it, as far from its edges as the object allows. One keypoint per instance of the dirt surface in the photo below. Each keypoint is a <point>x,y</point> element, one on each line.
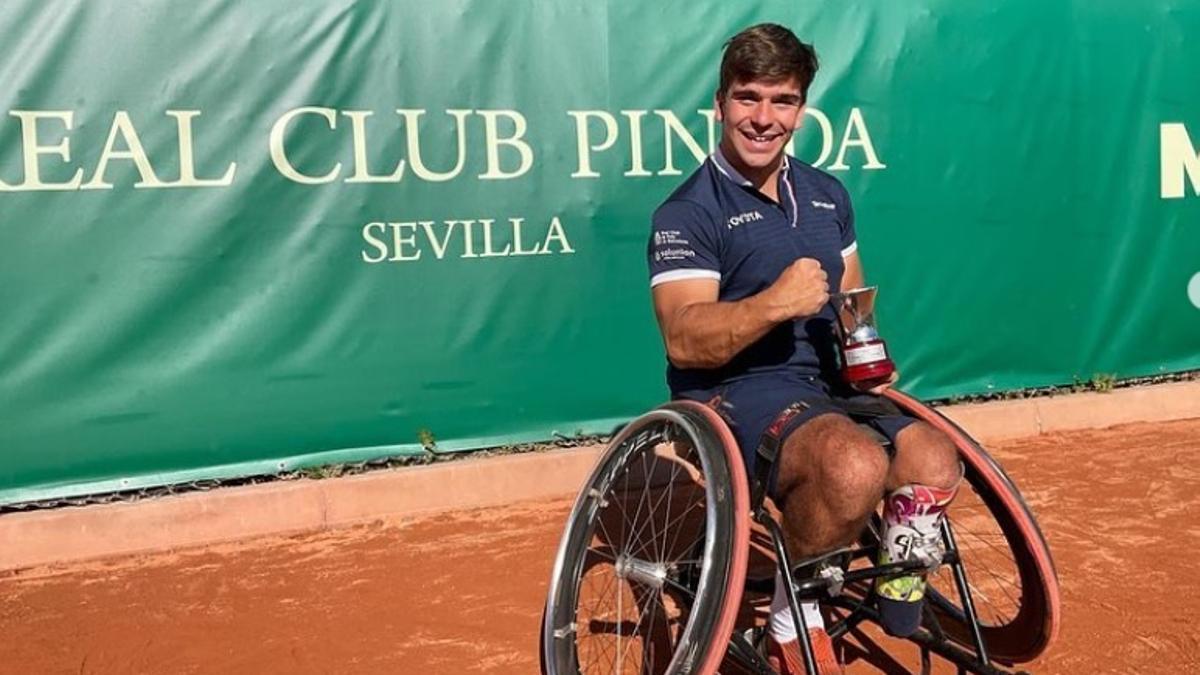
<point>462,592</point>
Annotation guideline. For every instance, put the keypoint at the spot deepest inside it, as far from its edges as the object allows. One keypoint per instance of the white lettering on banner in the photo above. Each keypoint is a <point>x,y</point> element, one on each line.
<point>187,159</point>
<point>583,138</point>
<point>826,135</point>
<point>358,131</point>
<point>862,139</point>
<point>1178,158</point>
<point>32,148</point>
<point>399,241</point>
<point>636,167</point>
<point>122,126</point>
<point>121,131</point>
<point>1194,290</point>
<point>279,156</point>
<point>710,120</point>
<point>499,136</point>
<point>406,241</point>
<point>412,134</point>
<point>673,127</point>
<point>493,141</point>
<point>411,119</point>
<point>855,136</point>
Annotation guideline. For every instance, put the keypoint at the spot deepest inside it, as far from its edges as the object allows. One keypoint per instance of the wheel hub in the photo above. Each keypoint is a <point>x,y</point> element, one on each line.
<point>644,572</point>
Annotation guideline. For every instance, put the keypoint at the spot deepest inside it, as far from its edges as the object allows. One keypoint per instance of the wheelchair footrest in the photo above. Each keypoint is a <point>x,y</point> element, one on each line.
<point>822,575</point>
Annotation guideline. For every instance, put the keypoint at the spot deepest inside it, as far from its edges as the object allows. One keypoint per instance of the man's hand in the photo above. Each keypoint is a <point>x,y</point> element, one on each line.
<point>880,388</point>
<point>801,290</point>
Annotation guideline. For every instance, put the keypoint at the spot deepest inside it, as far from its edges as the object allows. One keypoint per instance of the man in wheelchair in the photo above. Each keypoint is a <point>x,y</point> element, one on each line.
<point>742,259</point>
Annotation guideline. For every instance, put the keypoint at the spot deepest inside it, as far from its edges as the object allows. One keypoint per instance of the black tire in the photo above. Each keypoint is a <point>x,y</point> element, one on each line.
<point>652,563</point>
<point>1011,574</point>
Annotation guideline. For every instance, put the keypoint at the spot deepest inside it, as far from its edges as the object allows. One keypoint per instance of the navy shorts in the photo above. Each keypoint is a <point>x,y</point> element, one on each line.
<point>749,405</point>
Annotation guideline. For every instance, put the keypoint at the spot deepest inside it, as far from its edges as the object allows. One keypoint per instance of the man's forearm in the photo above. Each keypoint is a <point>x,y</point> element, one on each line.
<point>710,334</point>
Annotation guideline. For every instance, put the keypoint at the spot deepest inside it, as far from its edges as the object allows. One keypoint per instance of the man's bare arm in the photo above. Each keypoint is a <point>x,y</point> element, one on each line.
<point>700,332</point>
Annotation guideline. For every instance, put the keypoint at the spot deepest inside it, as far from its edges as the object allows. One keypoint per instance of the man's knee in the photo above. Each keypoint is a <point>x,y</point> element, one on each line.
<point>843,464</point>
<point>852,472</point>
<point>926,456</point>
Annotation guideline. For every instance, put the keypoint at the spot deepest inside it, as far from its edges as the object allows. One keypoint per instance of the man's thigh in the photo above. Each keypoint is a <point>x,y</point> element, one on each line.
<point>919,453</point>
<point>750,405</point>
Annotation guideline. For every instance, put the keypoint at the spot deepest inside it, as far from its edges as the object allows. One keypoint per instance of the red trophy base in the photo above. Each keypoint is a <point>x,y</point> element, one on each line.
<point>866,364</point>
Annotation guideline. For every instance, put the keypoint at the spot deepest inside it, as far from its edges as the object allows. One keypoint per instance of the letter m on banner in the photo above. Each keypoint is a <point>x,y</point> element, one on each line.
<point>1179,159</point>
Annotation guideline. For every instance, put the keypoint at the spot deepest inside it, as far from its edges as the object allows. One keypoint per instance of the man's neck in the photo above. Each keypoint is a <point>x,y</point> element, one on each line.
<point>765,179</point>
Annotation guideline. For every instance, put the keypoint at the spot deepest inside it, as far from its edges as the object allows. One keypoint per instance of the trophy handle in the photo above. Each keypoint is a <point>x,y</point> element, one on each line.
<point>842,309</point>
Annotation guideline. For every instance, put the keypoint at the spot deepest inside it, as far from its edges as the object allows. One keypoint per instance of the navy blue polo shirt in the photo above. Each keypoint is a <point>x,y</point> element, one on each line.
<point>716,225</point>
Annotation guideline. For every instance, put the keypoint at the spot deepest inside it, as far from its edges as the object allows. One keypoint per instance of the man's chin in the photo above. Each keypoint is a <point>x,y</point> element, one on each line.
<point>758,159</point>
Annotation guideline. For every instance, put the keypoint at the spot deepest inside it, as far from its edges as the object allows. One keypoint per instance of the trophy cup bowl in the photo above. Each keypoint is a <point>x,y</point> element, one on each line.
<point>865,361</point>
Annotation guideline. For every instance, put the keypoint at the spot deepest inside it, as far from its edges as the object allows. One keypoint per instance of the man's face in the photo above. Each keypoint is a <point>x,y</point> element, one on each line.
<point>757,120</point>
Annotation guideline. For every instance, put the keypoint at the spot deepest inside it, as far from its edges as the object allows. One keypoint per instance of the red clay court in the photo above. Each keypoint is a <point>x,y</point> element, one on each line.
<point>462,592</point>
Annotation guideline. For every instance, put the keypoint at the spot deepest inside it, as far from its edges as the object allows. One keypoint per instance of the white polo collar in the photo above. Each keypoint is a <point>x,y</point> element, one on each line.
<point>723,165</point>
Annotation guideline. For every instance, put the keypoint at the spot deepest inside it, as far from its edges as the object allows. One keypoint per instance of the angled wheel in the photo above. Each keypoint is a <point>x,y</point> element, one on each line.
<point>1008,566</point>
<point>652,563</point>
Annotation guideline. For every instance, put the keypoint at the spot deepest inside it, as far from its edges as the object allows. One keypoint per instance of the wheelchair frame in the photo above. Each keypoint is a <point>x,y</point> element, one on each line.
<point>825,578</point>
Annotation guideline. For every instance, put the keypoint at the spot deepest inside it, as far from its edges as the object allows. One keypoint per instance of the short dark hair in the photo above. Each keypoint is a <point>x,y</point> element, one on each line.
<point>769,52</point>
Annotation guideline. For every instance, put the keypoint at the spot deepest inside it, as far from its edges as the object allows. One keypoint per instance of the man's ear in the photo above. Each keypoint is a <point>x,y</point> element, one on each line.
<point>800,116</point>
<point>720,115</point>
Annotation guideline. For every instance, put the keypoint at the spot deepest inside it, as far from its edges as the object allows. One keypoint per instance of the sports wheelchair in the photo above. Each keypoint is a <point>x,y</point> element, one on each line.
<point>669,543</point>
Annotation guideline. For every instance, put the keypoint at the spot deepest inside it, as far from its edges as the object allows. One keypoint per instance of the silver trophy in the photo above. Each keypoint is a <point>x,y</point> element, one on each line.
<point>865,360</point>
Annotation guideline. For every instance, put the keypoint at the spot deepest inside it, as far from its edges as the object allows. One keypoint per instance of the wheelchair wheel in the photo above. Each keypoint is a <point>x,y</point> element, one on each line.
<point>1008,566</point>
<point>652,563</point>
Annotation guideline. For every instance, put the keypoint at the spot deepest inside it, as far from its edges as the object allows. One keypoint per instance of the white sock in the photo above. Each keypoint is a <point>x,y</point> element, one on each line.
<point>783,629</point>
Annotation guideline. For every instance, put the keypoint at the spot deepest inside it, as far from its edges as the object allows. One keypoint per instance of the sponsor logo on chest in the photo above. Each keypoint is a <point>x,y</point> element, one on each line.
<point>743,218</point>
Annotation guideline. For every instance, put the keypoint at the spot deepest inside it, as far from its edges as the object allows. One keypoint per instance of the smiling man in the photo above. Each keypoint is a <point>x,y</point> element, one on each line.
<point>742,259</point>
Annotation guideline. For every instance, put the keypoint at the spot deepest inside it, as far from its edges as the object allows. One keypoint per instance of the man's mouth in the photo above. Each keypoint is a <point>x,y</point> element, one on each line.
<point>761,139</point>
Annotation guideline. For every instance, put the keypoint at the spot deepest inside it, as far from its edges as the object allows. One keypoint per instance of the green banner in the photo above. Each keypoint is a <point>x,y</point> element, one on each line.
<point>242,237</point>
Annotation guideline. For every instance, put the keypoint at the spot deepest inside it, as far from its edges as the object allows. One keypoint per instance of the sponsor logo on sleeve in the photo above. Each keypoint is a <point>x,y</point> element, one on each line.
<point>669,245</point>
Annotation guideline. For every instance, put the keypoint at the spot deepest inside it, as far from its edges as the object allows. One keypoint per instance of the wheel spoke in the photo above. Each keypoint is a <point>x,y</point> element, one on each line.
<point>637,551</point>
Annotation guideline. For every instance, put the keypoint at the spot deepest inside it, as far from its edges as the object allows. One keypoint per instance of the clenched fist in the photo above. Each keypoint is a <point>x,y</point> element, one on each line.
<point>801,290</point>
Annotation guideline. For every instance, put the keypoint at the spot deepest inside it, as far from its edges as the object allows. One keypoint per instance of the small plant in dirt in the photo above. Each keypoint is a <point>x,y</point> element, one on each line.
<point>1104,382</point>
<point>323,471</point>
<point>426,439</point>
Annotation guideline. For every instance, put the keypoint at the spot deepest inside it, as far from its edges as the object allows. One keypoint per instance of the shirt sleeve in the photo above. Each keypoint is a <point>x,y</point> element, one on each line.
<point>846,222</point>
<point>685,243</point>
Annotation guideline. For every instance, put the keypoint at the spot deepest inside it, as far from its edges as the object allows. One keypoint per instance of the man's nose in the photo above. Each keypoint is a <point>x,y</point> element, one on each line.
<point>762,114</point>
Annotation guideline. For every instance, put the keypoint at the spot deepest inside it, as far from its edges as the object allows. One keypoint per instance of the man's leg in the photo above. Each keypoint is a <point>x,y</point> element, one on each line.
<point>831,475</point>
<point>924,456</point>
<point>921,483</point>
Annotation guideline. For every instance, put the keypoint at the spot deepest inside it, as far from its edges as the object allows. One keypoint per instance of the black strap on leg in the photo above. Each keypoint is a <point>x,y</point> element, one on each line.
<point>768,452</point>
